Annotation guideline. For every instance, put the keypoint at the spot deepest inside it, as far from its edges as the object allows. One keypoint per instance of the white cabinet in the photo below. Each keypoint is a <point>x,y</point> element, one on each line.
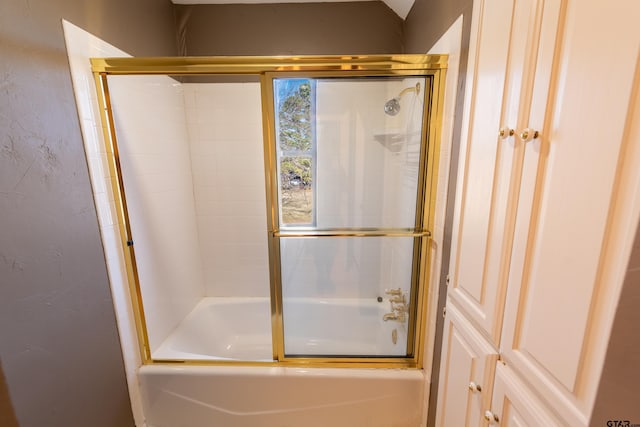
<point>576,182</point>
<point>466,374</point>
<point>543,217</point>
<point>483,223</point>
<point>513,405</point>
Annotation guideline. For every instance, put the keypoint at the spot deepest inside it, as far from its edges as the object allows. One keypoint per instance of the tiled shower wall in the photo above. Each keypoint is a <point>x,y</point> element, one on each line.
<point>156,168</point>
<point>225,139</point>
<point>362,155</point>
<point>359,183</point>
<point>361,164</point>
<point>404,162</point>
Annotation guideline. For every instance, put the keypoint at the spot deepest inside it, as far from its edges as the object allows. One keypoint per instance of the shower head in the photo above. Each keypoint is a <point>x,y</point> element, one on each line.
<point>392,106</point>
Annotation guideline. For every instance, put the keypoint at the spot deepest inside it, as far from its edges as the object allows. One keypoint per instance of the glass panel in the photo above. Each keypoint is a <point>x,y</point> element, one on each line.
<point>193,171</point>
<point>360,139</point>
<point>337,293</point>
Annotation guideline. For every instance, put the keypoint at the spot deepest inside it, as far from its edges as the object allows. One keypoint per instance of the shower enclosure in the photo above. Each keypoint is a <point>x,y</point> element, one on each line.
<point>275,210</point>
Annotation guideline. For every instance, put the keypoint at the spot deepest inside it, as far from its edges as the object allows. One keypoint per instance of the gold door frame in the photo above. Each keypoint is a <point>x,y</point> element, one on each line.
<point>431,67</point>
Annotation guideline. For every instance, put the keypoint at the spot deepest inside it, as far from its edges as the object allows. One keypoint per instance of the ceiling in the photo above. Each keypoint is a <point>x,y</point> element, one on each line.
<point>400,7</point>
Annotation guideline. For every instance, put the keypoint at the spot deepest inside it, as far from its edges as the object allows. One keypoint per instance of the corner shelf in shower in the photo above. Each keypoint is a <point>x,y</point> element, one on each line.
<point>391,139</point>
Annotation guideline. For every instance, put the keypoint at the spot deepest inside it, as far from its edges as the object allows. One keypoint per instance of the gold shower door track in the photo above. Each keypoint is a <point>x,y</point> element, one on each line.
<point>432,67</point>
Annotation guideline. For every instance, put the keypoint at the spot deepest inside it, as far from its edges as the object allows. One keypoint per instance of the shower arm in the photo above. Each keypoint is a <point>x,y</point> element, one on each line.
<point>415,89</point>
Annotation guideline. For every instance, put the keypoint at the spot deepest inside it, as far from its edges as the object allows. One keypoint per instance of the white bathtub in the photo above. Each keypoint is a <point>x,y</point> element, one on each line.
<point>348,326</point>
<point>249,396</point>
<point>219,396</point>
<point>240,329</point>
<point>222,329</point>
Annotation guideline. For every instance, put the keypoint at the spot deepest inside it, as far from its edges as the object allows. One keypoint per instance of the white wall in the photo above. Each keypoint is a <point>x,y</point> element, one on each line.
<point>361,155</point>
<point>225,133</point>
<point>348,267</point>
<point>403,166</point>
<point>156,168</point>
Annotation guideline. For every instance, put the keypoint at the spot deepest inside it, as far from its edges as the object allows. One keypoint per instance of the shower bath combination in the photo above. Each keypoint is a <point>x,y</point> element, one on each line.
<point>392,106</point>
<point>343,231</point>
<point>263,225</point>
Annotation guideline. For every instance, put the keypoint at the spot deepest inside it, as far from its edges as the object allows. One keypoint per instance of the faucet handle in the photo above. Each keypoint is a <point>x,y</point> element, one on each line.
<point>401,307</point>
<point>398,299</point>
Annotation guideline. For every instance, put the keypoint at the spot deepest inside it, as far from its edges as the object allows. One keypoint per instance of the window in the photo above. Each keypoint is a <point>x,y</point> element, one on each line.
<point>296,146</point>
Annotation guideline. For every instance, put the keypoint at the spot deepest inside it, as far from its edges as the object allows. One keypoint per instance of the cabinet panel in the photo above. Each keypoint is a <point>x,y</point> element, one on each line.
<point>570,200</point>
<point>466,373</point>
<point>482,230</point>
<point>516,406</point>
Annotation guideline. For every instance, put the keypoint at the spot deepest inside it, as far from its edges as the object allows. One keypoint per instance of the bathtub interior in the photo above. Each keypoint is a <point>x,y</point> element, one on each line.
<point>192,163</point>
<point>346,327</point>
<point>221,329</point>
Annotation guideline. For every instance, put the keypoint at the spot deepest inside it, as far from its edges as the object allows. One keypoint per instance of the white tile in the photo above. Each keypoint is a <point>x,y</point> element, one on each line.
<point>106,208</point>
<point>111,241</point>
<point>99,184</point>
<point>92,135</point>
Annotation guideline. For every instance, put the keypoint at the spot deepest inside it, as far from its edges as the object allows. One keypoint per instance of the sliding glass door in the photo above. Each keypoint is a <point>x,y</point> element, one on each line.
<point>349,146</point>
<point>349,158</point>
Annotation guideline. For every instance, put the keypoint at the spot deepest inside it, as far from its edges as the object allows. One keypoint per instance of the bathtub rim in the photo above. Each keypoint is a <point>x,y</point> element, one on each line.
<point>293,370</point>
<point>400,362</point>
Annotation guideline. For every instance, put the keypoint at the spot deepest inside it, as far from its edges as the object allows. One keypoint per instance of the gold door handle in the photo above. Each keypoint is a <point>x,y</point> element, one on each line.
<point>491,417</point>
<point>505,132</point>
<point>473,387</point>
<point>528,134</point>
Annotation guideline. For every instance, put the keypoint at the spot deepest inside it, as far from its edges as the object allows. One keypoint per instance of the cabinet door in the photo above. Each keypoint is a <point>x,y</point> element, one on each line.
<point>466,373</point>
<point>513,405</point>
<point>482,229</point>
<point>579,178</point>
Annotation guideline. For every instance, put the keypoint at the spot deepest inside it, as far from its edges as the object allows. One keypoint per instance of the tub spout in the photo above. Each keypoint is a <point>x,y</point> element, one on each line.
<point>389,316</point>
<point>400,317</point>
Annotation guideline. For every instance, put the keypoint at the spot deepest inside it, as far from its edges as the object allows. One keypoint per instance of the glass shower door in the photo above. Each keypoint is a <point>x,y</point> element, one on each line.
<point>349,156</point>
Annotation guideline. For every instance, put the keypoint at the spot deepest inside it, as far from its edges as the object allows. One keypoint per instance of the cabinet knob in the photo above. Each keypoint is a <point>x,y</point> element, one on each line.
<point>529,134</point>
<point>491,417</point>
<point>505,132</point>
<point>475,387</point>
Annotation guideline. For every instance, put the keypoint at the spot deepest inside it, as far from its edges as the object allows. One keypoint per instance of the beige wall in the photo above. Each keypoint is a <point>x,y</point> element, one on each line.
<point>427,21</point>
<point>289,29</point>
<point>58,339</point>
<point>618,394</point>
